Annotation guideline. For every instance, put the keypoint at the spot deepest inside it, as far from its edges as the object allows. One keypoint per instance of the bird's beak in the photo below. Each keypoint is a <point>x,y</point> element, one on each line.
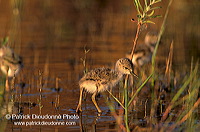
<point>132,73</point>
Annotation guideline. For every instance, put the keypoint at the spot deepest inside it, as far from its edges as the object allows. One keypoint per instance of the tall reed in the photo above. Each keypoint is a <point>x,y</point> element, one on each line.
<point>189,102</point>
<point>153,95</point>
<point>145,14</point>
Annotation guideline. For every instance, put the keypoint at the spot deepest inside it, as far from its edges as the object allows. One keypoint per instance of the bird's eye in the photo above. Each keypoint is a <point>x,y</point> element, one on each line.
<point>126,68</point>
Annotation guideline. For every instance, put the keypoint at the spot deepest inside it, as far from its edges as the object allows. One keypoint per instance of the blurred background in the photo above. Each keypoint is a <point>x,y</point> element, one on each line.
<point>51,35</point>
<point>56,31</point>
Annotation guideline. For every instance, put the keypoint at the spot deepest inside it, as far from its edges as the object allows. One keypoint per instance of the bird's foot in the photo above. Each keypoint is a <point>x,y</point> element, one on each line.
<point>78,109</point>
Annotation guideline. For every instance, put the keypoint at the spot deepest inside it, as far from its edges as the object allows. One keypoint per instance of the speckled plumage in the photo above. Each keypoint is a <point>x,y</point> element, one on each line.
<point>143,52</point>
<point>100,79</point>
<point>10,62</point>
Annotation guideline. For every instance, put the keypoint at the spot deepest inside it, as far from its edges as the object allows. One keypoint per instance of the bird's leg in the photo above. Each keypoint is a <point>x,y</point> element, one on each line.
<point>78,109</point>
<point>95,103</point>
<point>7,85</point>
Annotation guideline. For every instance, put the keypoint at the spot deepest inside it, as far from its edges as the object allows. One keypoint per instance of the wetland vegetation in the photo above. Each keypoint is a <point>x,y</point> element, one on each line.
<point>60,41</point>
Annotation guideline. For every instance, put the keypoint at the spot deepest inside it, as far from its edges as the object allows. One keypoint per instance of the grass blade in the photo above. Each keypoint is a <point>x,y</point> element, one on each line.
<point>138,90</point>
<point>115,99</point>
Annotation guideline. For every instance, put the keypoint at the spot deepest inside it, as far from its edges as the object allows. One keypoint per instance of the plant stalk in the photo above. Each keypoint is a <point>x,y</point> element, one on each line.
<point>126,103</point>
<point>135,40</point>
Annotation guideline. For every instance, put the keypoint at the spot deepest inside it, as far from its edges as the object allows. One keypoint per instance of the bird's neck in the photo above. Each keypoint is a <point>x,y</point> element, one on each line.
<point>119,75</point>
<point>151,46</point>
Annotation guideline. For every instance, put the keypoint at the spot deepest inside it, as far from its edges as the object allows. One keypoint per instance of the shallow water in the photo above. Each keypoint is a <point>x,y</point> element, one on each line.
<point>51,36</point>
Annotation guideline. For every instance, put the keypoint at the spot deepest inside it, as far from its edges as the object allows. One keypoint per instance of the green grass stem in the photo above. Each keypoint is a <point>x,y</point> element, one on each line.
<point>191,77</point>
<point>139,89</point>
<point>181,90</point>
<point>116,99</point>
<point>126,103</point>
<point>159,37</point>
